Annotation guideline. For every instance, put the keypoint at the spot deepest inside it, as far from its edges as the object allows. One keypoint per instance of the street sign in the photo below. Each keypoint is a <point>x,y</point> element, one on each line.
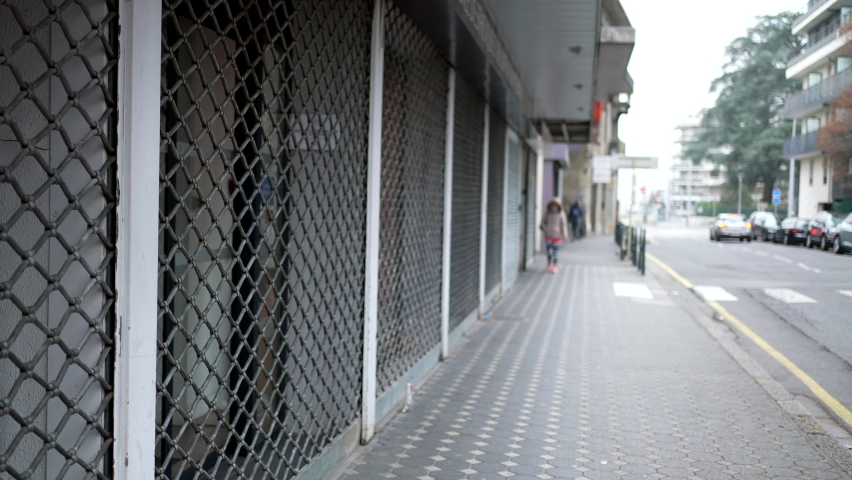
<point>776,196</point>
<point>622,161</point>
<point>602,169</point>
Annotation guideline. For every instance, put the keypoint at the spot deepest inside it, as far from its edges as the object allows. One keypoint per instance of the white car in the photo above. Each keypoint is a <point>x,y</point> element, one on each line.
<point>731,225</point>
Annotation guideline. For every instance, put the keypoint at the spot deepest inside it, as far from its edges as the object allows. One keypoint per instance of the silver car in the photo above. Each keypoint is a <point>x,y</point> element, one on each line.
<point>731,225</point>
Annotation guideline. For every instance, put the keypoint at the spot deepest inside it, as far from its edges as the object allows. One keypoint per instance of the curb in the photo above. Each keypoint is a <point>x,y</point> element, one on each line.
<point>726,337</point>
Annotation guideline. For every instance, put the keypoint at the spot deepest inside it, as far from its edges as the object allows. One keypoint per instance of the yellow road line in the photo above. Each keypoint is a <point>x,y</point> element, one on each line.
<point>686,283</point>
<point>832,403</point>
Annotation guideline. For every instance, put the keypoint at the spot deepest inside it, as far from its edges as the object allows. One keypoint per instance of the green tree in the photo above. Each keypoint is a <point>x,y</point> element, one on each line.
<point>745,130</point>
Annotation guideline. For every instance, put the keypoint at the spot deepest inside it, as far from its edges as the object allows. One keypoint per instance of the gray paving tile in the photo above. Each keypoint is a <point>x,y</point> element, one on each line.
<point>594,386</point>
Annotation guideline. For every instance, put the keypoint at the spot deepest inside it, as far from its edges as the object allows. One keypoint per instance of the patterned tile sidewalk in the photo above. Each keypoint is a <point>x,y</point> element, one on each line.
<point>566,380</point>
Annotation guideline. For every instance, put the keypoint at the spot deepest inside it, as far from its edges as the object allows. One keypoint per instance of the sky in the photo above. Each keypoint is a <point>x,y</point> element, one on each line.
<point>680,49</point>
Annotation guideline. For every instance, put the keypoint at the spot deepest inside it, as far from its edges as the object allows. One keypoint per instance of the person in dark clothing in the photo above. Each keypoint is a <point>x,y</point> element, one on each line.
<point>575,216</point>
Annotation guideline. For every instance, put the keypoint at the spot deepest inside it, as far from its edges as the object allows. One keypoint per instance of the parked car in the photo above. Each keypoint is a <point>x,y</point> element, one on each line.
<point>823,229</point>
<point>730,225</point>
<point>763,224</point>
<point>843,240</point>
<point>792,231</point>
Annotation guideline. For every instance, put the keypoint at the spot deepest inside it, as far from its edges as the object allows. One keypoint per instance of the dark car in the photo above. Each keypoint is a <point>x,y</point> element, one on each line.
<point>763,225</point>
<point>792,231</point>
<point>843,239</point>
<point>823,229</point>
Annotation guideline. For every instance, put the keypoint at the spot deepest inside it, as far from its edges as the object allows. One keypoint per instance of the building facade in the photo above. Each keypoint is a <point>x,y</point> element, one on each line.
<point>233,234</point>
<point>614,85</point>
<point>822,65</point>
<point>692,183</point>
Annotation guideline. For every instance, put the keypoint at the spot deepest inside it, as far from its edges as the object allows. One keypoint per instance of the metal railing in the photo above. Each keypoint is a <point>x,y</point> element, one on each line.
<point>816,40</point>
<point>801,145</point>
<point>811,6</point>
<point>631,242</point>
<point>818,95</point>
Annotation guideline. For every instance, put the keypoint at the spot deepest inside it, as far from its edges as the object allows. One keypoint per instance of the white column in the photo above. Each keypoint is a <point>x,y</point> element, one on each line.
<point>539,190</point>
<point>138,177</point>
<point>483,224</point>
<point>374,198</point>
<point>791,190</point>
<point>448,215</point>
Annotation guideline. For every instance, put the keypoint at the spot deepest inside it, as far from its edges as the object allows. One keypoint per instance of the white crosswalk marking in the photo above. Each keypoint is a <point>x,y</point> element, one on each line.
<point>788,296</point>
<point>848,293</point>
<point>632,290</point>
<point>714,294</point>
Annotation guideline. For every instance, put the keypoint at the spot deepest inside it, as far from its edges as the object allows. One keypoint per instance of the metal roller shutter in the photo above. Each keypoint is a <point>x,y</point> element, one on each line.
<point>513,203</point>
<point>496,185</point>
<point>532,194</point>
<point>58,197</point>
<point>262,233</point>
<point>467,202</point>
<point>414,127</point>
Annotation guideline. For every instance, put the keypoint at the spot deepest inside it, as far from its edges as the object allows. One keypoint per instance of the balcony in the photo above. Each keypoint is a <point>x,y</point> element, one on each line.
<point>817,96</point>
<point>801,146</point>
<point>808,10</point>
<point>819,38</point>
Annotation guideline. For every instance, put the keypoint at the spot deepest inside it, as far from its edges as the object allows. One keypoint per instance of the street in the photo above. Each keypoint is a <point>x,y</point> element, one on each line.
<point>798,300</point>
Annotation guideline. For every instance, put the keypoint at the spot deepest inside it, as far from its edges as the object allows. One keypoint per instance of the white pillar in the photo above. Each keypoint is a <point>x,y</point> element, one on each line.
<point>138,177</point>
<point>538,213</point>
<point>448,216</point>
<point>791,190</point>
<point>374,198</point>
<point>483,224</point>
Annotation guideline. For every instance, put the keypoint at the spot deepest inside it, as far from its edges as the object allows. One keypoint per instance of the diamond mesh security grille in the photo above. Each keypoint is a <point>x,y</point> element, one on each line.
<point>414,127</point>
<point>496,174</point>
<point>57,237</point>
<point>467,202</point>
<point>532,195</point>
<point>262,233</point>
<point>513,202</point>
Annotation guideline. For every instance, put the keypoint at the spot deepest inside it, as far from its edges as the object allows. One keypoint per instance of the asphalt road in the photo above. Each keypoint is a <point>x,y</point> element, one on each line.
<point>816,336</point>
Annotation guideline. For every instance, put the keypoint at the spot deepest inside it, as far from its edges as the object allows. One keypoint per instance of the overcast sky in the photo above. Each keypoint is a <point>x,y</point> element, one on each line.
<point>680,49</point>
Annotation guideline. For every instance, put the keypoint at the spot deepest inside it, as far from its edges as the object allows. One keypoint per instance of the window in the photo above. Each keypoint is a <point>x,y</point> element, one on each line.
<point>811,124</point>
<point>843,63</point>
<point>814,79</point>
<point>825,172</point>
<point>811,175</point>
<point>849,166</point>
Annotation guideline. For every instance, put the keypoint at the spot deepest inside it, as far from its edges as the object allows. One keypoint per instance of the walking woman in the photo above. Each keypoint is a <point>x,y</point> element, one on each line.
<point>555,228</point>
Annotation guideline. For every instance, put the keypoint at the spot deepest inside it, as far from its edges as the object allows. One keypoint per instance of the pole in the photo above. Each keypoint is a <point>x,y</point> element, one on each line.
<point>632,202</point>
<point>740,195</point>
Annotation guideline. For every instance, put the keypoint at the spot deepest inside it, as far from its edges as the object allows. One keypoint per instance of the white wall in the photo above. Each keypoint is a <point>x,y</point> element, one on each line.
<point>814,186</point>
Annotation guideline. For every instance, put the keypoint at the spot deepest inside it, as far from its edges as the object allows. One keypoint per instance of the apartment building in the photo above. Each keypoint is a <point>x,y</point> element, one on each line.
<point>692,183</point>
<point>823,67</point>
